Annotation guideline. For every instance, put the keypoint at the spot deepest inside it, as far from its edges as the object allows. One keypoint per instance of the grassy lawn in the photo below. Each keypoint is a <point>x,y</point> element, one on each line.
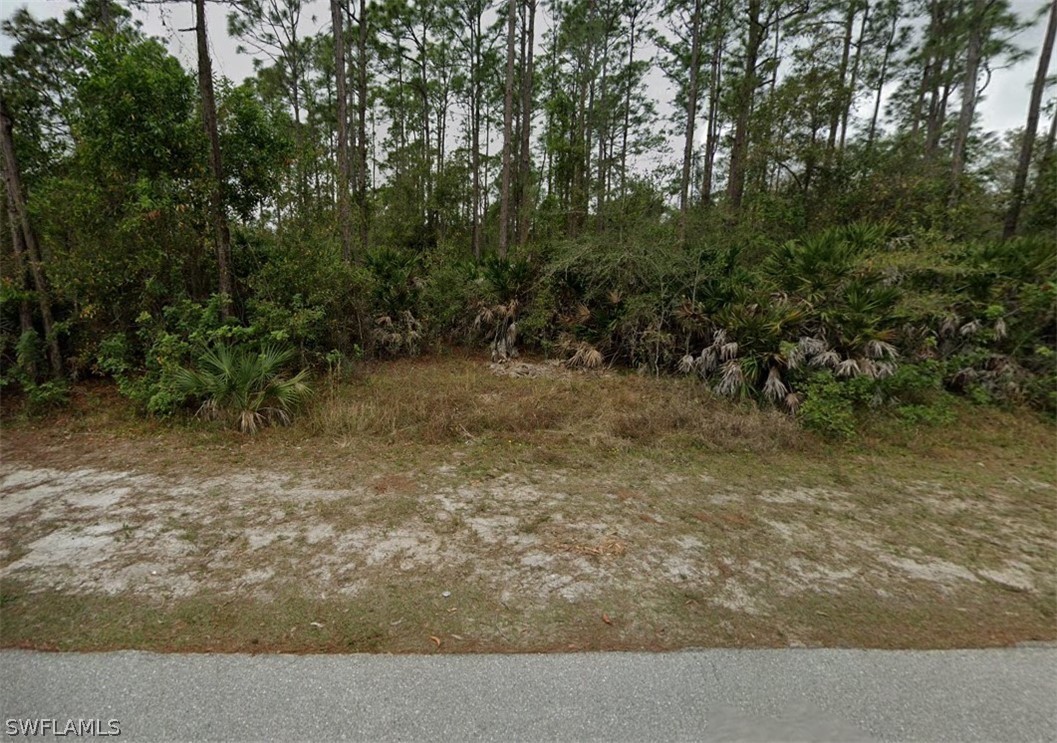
<point>444,505</point>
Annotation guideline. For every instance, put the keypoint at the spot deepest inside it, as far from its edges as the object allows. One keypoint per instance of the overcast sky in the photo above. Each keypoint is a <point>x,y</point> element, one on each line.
<point>1004,104</point>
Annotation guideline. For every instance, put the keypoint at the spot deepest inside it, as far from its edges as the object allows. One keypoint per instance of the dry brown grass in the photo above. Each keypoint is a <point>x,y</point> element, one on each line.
<point>416,402</point>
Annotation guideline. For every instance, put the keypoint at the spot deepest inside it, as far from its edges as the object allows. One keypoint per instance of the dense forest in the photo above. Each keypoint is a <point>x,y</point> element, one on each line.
<point>793,200</point>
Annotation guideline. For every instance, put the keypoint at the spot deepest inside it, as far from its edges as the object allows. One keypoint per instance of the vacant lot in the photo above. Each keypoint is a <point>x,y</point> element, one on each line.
<point>450,505</point>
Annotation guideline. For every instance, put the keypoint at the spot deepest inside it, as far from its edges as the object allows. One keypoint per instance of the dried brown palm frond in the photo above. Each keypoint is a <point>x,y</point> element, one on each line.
<point>399,335</point>
<point>848,368</point>
<point>578,315</point>
<point>774,388</point>
<point>793,401</point>
<point>812,346</point>
<point>687,364</point>
<point>970,328</point>
<point>209,410</point>
<point>728,351</point>
<point>949,326</point>
<point>585,356</point>
<point>883,369</point>
<point>876,349</point>
<point>249,421</point>
<point>867,367</point>
<point>719,337</point>
<point>827,359</point>
<point>615,296</point>
<point>485,317</point>
<point>706,362</point>
<point>504,345</point>
<point>1000,329</point>
<point>732,379</point>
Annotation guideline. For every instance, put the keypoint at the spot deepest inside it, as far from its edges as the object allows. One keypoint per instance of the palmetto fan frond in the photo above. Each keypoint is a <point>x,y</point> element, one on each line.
<point>1000,329</point>
<point>774,388</point>
<point>848,368</point>
<point>246,385</point>
<point>877,349</point>
<point>731,380</point>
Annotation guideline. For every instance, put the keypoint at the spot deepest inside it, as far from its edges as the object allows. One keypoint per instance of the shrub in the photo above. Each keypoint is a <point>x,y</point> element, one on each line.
<point>244,386</point>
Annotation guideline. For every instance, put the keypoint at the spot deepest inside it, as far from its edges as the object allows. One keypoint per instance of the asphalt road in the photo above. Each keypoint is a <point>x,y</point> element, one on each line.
<point>721,695</point>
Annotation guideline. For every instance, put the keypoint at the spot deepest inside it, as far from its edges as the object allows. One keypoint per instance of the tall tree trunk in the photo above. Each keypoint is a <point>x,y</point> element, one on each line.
<point>508,122</point>
<point>361,139</point>
<point>977,30</point>
<point>747,89</point>
<point>475,126</point>
<point>18,248</point>
<point>929,61</point>
<point>712,123</point>
<point>842,72</point>
<point>525,167</point>
<point>1051,137</point>
<point>881,81</point>
<point>691,118</point>
<point>603,126</point>
<point>849,98</point>
<point>337,17</point>
<point>17,200</point>
<point>221,231</point>
<point>938,90</point>
<point>1020,180</point>
<point>627,112</point>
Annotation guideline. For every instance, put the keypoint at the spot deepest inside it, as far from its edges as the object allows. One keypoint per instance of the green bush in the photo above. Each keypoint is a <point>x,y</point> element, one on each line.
<point>243,385</point>
<point>913,392</point>
<point>828,409</point>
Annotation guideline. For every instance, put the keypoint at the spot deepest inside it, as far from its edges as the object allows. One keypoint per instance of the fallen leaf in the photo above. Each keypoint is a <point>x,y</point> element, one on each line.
<point>435,639</point>
<point>606,619</point>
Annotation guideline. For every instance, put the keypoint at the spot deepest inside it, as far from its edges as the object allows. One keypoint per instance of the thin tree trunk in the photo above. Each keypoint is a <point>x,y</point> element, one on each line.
<point>627,113</point>
<point>589,126</point>
<point>740,146</point>
<point>939,90</point>
<point>1020,180</point>
<point>845,56</point>
<point>711,129</point>
<point>209,122</point>
<point>508,121</point>
<point>1047,151</point>
<point>972,72</point>
<point>337,16</point>
<point>475,126</point>
<point>525,167</point>
<point>603,126</point>
<point>17,201</point>
<point>881,81</point>
<point>25,312</point>
<point>849,99</point>
<point>691,118</point>
<point>361,103</point>
<point>928,68</point>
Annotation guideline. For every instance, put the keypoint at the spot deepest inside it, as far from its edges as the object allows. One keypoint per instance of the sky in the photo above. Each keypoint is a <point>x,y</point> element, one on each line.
<point>1003,106</point>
